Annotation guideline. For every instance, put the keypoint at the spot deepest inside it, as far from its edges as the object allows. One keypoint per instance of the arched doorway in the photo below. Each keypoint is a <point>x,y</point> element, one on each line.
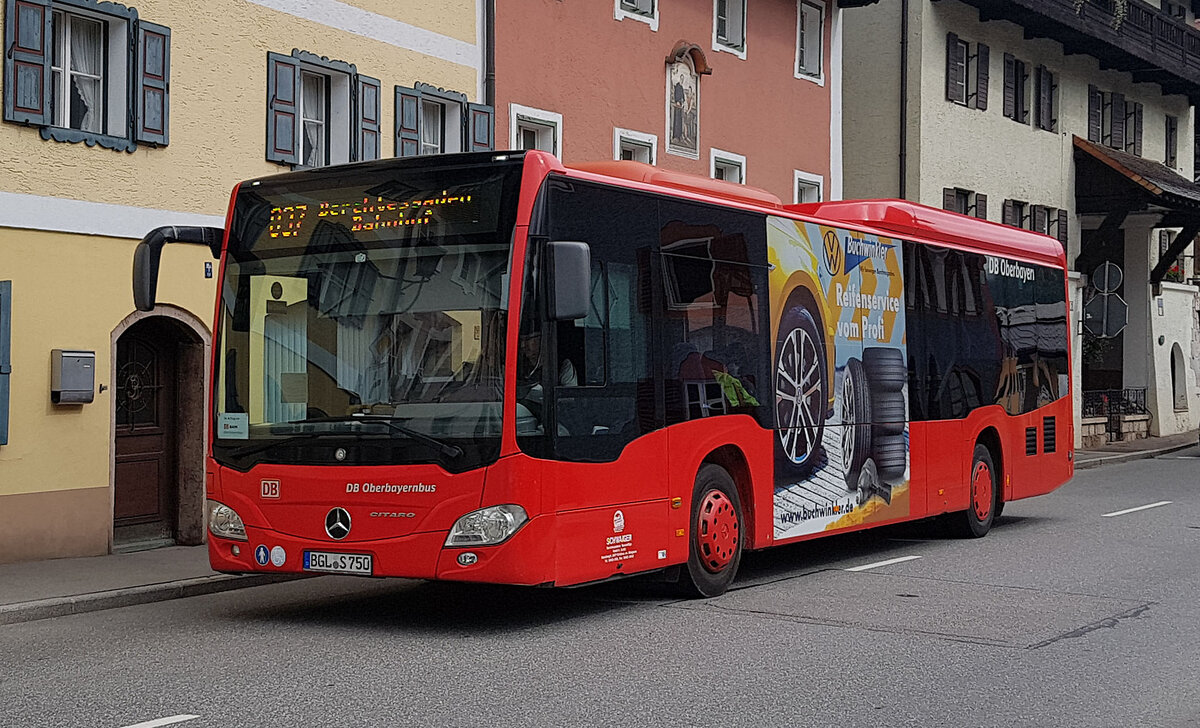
<point>158,430</point>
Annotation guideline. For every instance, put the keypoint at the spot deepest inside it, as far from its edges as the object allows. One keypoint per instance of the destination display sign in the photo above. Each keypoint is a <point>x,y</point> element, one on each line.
<point>364,214</point>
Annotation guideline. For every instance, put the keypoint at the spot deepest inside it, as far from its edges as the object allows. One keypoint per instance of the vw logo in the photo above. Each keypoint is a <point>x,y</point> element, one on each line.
<point>337,524</point>
<point>833,253</point>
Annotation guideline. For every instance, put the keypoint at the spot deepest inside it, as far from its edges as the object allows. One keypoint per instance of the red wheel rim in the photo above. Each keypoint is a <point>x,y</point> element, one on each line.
<point>981,490</point>
<point>717,531</point>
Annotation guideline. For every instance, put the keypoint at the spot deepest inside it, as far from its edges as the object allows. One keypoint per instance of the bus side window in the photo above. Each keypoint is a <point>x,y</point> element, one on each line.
<point>713,277</point>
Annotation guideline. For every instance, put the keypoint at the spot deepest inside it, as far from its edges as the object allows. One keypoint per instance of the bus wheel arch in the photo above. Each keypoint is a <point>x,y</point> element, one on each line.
<point>734,461</point>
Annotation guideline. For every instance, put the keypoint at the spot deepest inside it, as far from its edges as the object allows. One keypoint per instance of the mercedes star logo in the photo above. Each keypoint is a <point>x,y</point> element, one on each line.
<point>337,524</point>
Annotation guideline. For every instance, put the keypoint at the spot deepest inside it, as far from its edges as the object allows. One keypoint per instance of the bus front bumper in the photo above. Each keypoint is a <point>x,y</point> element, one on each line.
<point>526,558</point>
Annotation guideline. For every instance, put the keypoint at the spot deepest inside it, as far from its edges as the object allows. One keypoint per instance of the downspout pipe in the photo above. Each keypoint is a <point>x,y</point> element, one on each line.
<point>489,52</point>
<point>903,189</point>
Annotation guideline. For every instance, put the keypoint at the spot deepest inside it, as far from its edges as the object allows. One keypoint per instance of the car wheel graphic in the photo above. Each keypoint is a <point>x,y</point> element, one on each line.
<point>801,393</point>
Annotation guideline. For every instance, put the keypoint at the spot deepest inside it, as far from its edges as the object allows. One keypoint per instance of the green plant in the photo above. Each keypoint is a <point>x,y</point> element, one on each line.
<point>1094,348</point>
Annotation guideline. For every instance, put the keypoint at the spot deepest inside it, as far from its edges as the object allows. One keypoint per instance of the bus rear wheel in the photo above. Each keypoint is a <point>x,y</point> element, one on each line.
<point>977,520</point>
<point>715,545</point>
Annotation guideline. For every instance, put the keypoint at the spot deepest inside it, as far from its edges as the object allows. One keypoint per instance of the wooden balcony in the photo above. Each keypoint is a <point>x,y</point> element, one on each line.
<point>1150,44</point>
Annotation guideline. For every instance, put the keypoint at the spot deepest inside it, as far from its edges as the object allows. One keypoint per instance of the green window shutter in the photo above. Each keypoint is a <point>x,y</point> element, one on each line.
<point>5,355</point>
<point>153,73</point>
<point>408,122</point>
<point>283,109</point>
<point>28,41</point>
<point>366,133</point>
<point>481,128</point>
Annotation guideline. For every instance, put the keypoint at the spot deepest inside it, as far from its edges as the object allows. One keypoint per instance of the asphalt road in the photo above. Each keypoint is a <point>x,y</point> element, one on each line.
<point>1061,616</point>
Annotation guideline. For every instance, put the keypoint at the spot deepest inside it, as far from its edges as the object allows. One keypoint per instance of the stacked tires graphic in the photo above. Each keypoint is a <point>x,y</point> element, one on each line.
<point>874,452</point>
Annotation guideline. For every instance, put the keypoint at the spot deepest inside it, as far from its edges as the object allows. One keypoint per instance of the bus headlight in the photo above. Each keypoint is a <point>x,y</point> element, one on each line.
<point>487,526</point>
<point>223,521</point>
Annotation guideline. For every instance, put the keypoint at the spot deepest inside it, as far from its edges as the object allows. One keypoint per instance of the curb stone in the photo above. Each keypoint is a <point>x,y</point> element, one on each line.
<point>1125,457</point>
<point>130,596</point>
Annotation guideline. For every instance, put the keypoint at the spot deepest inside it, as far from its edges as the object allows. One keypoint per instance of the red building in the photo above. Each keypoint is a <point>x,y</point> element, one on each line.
<point>738,90</point>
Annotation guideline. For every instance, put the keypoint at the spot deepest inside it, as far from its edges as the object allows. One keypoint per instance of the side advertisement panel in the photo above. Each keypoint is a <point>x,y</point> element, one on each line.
<point>840,377</point>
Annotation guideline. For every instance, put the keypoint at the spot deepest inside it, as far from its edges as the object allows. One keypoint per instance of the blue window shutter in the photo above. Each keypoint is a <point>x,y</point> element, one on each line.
<point>408,122</point>
<point>367,118</point>
<point>28,40</point>
<point>153,64</point>
<point>283,109</point>
<point>5,355</point>
<point>481,128</point>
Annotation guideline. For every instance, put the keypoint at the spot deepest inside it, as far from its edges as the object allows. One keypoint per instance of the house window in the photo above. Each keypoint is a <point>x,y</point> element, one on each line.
<point>314,111</point>
<point>645,11</point>
<point>635,146</point>
<point>729,26</point>
<point>536,129</point>
<point>86,71</point>
<point>1015,213</point>
<point>1107,116</point>
<point>964,202</point>
<point>807,187</point>
<point>1045,107</point>
<point>966,72</point>
<point>77,73</point>
<point>1016,89</point>
<point>431,120</point>
<point>319,111</point>
<point>727,166</point>
<point>809,40</point>
<point>1172,136</point>
<point>1133,127</point>
<point>433,127</point>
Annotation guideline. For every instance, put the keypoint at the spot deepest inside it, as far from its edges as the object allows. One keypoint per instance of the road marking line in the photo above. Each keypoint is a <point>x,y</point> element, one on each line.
<point>1139,508</point>
<point>877,564</point>
<point>158,722</point>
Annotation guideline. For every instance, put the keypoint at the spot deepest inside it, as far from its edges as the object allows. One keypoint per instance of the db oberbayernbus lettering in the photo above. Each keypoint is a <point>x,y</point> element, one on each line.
<point>492,367</point>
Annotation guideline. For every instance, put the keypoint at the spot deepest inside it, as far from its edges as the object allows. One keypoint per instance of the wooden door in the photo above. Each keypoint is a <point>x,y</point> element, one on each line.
<point>144,507</point>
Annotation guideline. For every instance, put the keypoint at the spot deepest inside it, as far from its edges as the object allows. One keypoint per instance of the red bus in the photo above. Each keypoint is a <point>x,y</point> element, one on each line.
<point>491,367</point>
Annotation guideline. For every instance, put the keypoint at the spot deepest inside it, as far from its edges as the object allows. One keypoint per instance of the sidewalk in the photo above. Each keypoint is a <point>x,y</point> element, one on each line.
<point>56,587</point>
<point>1120,452</point>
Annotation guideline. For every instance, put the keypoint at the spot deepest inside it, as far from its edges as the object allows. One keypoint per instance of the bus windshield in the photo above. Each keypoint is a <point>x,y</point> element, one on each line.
<point>362,317</point>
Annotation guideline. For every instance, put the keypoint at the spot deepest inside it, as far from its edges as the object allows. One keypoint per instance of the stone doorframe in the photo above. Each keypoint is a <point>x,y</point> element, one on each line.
<point>193,357</point>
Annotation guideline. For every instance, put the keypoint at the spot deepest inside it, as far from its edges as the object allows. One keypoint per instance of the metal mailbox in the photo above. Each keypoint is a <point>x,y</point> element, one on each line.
<point>72,376</point>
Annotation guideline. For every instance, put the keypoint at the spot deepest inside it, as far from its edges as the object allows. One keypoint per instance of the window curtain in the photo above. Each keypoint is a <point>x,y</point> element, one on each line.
<point>314,112</point>
<point>86,67</point>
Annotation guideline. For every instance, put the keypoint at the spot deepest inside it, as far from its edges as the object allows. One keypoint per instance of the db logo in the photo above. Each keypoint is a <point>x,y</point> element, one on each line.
<point>833,253</point>
<point>270,489</point>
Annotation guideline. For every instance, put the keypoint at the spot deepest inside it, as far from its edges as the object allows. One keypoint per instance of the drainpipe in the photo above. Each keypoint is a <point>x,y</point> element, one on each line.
<point>903,99</point>
<point>489,59</point>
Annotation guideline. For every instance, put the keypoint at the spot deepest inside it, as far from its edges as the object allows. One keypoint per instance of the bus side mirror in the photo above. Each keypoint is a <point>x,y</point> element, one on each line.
<point>570,268</point>
<point>149,252</point>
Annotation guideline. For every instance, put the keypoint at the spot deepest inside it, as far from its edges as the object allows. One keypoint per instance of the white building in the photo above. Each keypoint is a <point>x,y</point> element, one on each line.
<point>1071,117</point>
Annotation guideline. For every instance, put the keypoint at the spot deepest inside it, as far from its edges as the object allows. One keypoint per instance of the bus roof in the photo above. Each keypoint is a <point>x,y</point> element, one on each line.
<point>893,218</point>
<point>911,220</point>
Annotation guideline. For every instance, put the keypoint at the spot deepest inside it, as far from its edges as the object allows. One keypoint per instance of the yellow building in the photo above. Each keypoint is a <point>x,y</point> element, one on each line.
<point>120,119</point>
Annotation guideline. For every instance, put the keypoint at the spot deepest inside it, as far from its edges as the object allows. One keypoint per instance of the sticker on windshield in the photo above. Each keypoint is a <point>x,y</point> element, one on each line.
<point>233,426</point>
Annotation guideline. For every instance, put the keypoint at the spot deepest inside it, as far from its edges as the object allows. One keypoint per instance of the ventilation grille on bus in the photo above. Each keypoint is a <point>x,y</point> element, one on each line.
<point>1031,441</point>
<point>1048,434</point>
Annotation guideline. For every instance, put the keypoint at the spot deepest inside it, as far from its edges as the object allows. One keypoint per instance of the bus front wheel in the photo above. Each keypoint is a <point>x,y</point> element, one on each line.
<point>715,545</point>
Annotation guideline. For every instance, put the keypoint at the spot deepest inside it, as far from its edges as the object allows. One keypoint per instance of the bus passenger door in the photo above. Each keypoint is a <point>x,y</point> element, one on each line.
<point>607,456</point>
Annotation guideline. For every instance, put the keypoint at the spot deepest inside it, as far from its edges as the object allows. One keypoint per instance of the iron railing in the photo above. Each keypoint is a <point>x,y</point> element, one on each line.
<point>1104,402</point>
<point>1112,404</point>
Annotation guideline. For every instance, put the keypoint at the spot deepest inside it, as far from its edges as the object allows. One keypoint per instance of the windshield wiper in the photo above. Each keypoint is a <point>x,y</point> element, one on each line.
<point>261,446</point>
<point>446,449</point>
